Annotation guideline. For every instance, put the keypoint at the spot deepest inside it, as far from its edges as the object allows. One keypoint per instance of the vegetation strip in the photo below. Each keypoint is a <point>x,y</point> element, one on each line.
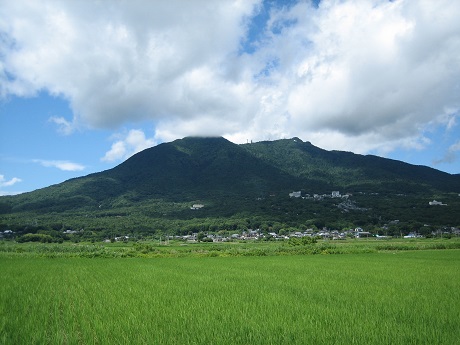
<point>180,249</point>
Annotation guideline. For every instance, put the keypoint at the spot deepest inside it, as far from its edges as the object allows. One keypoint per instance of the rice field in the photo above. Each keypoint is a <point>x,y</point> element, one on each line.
<point>404,297</point>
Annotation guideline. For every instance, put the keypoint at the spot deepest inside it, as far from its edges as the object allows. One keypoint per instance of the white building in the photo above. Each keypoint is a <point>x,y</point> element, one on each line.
<point>436,203</point>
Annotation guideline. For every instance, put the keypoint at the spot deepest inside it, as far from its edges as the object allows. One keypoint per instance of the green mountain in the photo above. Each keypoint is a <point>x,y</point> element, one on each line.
<point>239,181</point>
<point>186,169</point>
<point>354,172</point>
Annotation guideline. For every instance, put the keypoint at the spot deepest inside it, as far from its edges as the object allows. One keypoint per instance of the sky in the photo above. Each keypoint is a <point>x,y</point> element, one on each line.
<point>84,85</point>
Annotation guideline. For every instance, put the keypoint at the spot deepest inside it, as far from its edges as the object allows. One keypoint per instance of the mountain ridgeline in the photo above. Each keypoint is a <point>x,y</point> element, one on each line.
<point>212,169</point>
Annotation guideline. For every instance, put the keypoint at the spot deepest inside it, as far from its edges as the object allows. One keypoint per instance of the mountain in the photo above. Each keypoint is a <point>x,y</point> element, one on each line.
<point>352,171</point>
<point>230,177</point>
<point>196,168</point>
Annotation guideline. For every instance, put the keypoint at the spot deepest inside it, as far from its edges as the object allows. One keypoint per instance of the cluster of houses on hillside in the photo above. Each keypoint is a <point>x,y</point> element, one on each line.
<point>345,205</point>
<point>196,206</point>
<point>334,194</point>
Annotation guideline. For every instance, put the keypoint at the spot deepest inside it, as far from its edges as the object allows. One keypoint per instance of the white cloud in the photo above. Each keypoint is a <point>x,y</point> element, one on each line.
<point>117,152</point>
<point>133,142</point>
<point>64,127</point>
<point>354,75</point>
<point>120,61</point>
<point>8,183</point>
<point>358,75</point>
<point>59,164</point>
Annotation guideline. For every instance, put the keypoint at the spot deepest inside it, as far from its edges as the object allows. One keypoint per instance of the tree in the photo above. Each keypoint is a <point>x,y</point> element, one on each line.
<point>200,237</point>
<point>36,238</point>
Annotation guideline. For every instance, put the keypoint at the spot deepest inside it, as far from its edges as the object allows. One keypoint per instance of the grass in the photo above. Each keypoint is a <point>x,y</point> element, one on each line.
<point>409,297</point>
<point>181,249</point>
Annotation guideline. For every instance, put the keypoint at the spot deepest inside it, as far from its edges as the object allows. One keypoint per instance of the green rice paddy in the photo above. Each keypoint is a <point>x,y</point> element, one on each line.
<point>402,297</point>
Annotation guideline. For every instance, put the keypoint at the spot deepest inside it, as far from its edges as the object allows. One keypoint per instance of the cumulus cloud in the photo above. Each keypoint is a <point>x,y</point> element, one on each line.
<point>133,142</point>
<point>355,75</point>
<point>59,164</point>
<point>125,61</point>
<point>377,72</point>
<point>7,183</point>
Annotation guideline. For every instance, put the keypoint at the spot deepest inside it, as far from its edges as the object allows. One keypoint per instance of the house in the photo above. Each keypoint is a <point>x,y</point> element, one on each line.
<point>196,206</point>
<point>335,194</point>
<point>412,235</point>
<point>295,194</point>
<point>436,203</point>
<point>190,238</point>
<point>359,232</point>
<point>122,239</point>
<point>69,231</point>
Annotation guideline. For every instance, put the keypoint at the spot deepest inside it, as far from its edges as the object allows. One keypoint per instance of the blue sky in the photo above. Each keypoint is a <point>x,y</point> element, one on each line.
<point>84,84</point>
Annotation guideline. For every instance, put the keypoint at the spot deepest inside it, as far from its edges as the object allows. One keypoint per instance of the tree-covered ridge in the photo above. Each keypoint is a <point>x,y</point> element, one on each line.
<point>348,170</point>
<point>241,187</point>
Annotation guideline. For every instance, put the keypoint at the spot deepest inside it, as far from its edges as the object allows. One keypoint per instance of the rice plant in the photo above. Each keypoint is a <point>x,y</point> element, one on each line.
<point>410,297</point>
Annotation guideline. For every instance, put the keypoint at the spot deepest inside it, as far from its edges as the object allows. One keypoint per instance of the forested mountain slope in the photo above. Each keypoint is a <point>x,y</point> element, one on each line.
<point>230,176</point>
<point>341,169</point>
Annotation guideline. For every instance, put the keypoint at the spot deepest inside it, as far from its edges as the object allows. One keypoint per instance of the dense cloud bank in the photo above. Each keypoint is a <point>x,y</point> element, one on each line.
<point>355,75</point>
